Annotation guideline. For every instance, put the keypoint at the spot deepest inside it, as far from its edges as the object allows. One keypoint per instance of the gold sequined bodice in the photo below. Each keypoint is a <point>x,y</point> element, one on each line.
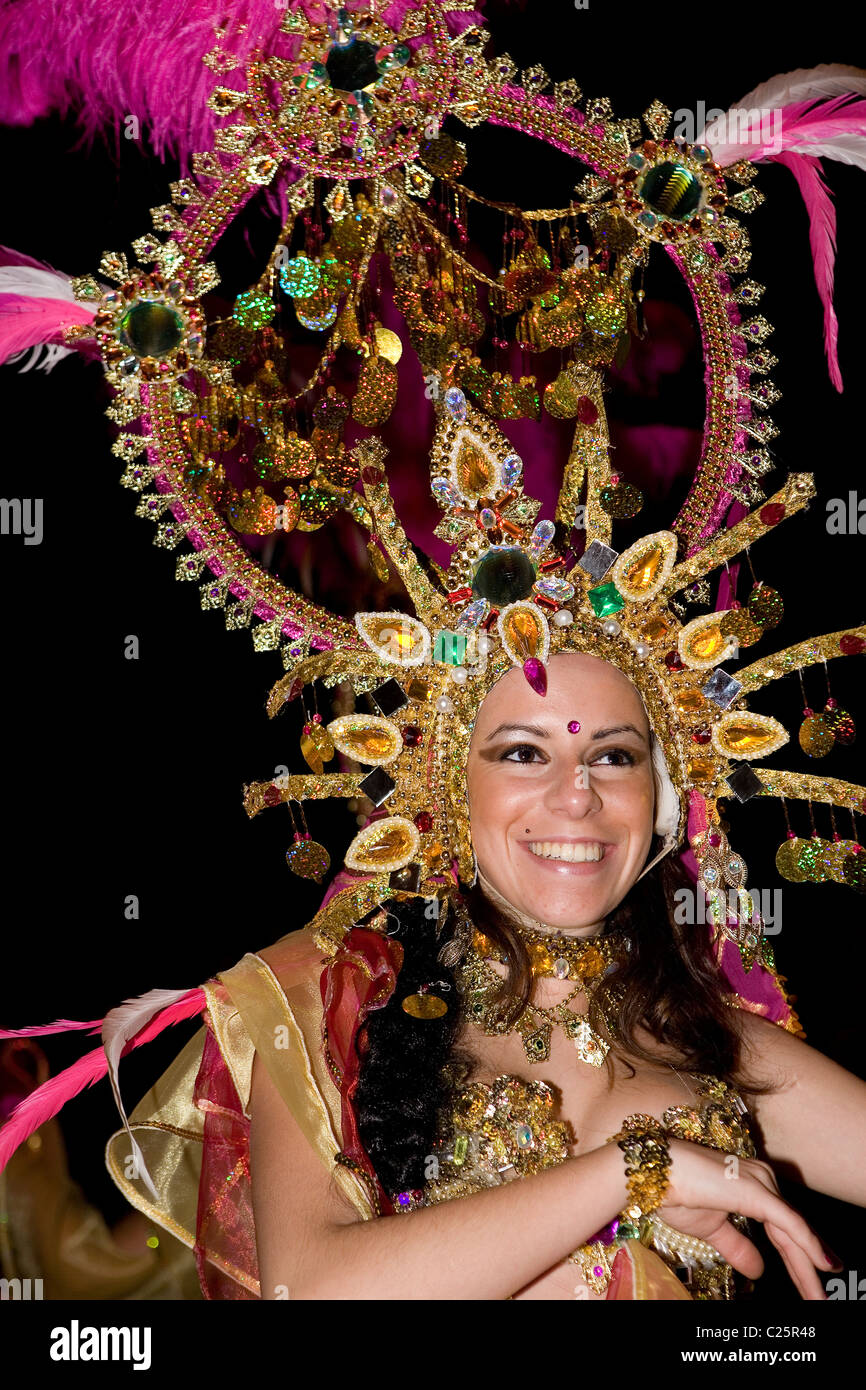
<point>498,1131</point>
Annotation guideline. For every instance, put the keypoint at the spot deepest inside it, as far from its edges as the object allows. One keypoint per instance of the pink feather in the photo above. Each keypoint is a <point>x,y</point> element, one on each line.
<point>106,62</point>
<point>39,1030</point>
<point>26,321</point>
<point>49,1099</point>
<point>807,171</point>
<point>834,128</point>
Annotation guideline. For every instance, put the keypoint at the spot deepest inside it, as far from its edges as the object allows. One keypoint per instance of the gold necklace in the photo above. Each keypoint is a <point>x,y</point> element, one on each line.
<point>480,987</point>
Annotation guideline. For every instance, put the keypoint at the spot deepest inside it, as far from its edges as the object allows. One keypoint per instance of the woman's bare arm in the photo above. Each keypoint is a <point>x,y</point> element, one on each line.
<point>814,1124</point>
<point>486,1246</point>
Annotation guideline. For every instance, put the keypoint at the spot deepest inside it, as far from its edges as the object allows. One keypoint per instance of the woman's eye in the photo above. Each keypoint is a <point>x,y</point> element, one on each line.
<point>521,753</point>
<point>621,757</point>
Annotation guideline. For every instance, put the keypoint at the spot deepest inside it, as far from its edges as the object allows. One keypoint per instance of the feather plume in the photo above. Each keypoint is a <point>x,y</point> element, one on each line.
<point>822,238</point>
<point>134,1022</point>
<point>36,303</point>
<point>835,128</point>
<point>105,62</point>
<point>121,1025</point>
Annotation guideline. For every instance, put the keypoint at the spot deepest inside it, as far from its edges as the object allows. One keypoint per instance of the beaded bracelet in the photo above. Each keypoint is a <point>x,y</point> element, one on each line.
<point>647,1161</point>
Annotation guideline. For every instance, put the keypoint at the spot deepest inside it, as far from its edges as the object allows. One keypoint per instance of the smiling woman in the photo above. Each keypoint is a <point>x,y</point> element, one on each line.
<point>562,822</point>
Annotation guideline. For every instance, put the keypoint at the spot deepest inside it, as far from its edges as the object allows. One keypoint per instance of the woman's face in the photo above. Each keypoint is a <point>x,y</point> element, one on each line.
<point>562,821</point>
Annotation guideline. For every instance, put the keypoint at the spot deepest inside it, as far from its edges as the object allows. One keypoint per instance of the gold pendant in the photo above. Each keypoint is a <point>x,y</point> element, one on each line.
<point>589,1046</point>
<point>536,1039</point>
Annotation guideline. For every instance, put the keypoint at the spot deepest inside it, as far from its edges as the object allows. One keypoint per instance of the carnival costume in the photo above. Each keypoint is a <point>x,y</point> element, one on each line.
<point>339,113</point>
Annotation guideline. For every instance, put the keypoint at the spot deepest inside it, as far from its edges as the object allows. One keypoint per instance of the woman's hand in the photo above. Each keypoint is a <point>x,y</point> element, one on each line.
<point>705,1185</point>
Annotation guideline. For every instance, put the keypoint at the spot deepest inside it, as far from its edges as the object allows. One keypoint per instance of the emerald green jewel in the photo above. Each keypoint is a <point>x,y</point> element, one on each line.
<point>606,599</point>
<point>671,190</point>
<point>449,648</point>
<point>504,575</point>
<point>151,329</point>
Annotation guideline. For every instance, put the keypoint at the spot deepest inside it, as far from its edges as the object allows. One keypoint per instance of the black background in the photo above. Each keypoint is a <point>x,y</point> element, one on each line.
<point>125,777</point>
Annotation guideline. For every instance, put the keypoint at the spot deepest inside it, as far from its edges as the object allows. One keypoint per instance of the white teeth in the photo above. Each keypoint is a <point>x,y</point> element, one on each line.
<point>587,852</point>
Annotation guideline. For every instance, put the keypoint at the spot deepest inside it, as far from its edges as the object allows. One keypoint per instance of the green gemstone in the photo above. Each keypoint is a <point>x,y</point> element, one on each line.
<point>671,190</point>
<point>606,599</point>
<point>151,329</point>
<point>449,648</point>
<point>503,576</point>
<point>461,1148</point>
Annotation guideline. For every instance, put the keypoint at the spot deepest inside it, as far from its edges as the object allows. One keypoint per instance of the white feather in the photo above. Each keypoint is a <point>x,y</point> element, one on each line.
<point>118,1027</point>
<point>803,84</point>
<point>34,284</point>
<point>848,149</point>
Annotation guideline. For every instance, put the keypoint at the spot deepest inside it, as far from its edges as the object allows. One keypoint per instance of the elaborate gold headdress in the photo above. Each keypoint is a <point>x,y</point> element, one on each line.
<point>342,112</point>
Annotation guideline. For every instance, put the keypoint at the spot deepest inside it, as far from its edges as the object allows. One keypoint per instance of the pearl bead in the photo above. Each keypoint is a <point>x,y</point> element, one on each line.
<point>562,618</point>
<point>483,644</point>
<point>642,650</point>
<point>459,675</point>
<point>444,705</point>
<point>610,627</point>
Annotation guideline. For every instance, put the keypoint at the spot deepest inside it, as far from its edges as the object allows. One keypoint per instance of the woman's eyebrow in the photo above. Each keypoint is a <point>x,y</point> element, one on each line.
<point>518,728</point>
<point>540,732</point>
<point>619,729</point>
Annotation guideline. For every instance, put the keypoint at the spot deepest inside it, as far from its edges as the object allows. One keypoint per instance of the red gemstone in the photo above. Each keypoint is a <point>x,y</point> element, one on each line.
<point>536,673</point>
<point>673,661</point>
<point>715,839</point>
<point>851,644</point>
<point>412,735</point>
<point>490,619</point>
<point>459,595</point>
<point>772,514</point>
<point>272,796</point>
<point>372,475</point>
<point>701,736</point>
<point>587,411</point>
<point>424,822</point>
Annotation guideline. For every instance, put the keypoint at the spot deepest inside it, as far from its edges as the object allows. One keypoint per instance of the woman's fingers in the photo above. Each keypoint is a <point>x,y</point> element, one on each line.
<point>740,1252</point>
<point>798,1264</point>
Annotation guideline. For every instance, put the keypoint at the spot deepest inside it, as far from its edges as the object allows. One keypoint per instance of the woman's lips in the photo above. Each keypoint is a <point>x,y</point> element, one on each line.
<point>566,867</point>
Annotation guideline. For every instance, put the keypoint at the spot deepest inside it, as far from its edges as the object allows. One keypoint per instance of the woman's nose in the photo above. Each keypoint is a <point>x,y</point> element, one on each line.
<point>571,792</point>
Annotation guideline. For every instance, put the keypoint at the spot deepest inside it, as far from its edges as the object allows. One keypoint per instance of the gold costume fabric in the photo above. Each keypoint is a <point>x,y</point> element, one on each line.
<point>193,1125</point>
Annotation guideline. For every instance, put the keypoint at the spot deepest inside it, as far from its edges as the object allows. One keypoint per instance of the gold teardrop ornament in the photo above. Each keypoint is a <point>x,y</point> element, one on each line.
<point>766,606</point>
<point>815,738</point>
<point>702,644</point>
<point>394,636</point>
<point>383,846</point>
<point>368,738</point>
<point>742,734</point>
<point>644,569</point>
<point>475,470</point>
<point>788,860</point>
<point>316,746</point>
<point>840,723</point>
<point>376,395</point>
<point>298,457</point>
<point>524,632</point>
<point>424,1005</point>
<point>308,859</point>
